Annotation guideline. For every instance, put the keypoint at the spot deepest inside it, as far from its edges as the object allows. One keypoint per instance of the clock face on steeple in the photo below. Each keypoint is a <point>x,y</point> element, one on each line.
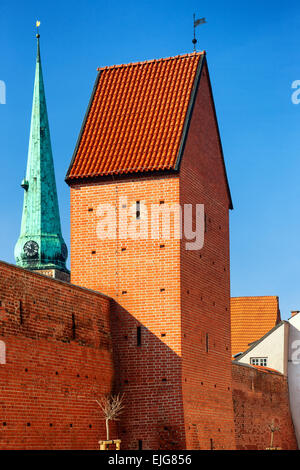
<point>31,249</point>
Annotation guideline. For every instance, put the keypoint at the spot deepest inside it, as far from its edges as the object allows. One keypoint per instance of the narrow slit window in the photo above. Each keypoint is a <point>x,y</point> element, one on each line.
<point>140,444</point>
<point>21,312</point>
<point>139,336</point>
<point>207,342</point>
<point>73,327</point>
<point>138,210</point>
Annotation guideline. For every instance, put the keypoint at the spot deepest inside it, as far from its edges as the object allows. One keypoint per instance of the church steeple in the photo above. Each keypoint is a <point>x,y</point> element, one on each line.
<point>40,246</point>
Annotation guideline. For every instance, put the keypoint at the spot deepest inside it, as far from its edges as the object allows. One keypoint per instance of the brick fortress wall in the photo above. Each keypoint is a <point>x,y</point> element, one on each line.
<point>260,399</point>
<point>57,362</point>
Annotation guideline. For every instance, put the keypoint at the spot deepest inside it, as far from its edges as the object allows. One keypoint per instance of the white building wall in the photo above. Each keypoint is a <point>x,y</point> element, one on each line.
<point>294,373</point>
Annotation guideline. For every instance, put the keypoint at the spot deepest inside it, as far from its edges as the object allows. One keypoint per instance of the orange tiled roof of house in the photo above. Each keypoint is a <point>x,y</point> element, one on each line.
<point>136,117</point>
<point>252,318</point>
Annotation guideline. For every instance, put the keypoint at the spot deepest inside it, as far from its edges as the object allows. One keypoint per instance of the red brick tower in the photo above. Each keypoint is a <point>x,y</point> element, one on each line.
<point>150,136</point>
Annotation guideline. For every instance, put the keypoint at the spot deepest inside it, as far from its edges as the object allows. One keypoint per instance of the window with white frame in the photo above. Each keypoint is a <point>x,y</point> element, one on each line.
<point>259,361</point>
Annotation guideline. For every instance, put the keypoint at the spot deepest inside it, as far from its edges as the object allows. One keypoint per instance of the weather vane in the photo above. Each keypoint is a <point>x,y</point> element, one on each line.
<point>38,23</point>
<point>196,23</point>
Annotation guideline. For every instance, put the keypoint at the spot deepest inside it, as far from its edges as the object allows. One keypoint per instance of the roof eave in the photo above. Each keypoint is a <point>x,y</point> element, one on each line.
<point>120,176</point>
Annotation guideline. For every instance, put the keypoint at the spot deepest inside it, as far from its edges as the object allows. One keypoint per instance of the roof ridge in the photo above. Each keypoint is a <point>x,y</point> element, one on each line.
<point>179,56</point>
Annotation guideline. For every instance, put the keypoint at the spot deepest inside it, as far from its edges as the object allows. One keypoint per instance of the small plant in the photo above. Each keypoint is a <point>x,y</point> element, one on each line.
<point>273,429</point>
<point>111,406</point>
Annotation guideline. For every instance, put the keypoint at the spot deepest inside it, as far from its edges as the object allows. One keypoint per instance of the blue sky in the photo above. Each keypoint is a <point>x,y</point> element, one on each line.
<point>253,56</point>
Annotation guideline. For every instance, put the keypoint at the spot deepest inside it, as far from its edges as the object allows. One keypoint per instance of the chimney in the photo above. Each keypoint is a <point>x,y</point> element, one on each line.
<point>295,312</point>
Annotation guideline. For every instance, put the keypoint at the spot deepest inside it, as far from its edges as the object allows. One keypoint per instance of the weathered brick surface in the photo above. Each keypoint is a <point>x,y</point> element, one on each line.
<point>260,399</point>
<point>177,395</point>
<point>56,364</point>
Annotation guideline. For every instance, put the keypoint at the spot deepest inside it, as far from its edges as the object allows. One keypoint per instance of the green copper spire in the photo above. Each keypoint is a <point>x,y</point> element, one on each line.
<point>40,245</point>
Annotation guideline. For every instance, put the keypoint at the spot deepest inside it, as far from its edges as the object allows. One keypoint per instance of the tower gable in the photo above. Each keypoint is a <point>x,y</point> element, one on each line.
<point>201,151</point>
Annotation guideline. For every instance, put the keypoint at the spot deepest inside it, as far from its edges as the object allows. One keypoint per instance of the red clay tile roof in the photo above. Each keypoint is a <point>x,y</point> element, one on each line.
<point>136,117</point>
<point>252,318</point>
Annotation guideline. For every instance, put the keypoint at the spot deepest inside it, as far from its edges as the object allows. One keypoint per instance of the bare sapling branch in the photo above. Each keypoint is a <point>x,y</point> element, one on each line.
<point>111,406</point>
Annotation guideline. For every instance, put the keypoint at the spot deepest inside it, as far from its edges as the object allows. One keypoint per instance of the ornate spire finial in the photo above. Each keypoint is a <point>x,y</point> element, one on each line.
<point>38,23</point>
<point>38,57</point>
